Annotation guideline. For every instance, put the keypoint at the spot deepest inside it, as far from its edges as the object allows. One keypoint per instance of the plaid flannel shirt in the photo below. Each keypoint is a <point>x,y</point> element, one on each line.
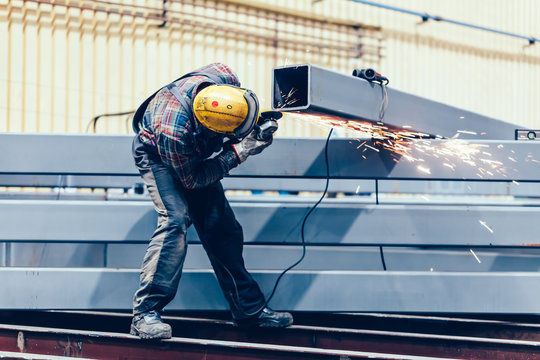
<point>180,139</point>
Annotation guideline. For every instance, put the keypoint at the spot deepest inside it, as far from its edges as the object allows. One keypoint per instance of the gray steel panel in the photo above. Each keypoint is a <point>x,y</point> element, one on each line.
<point>460,188</point>
<point>57,255</point>
<point>3,250</point>
<point>298,184</point>
<point>349,186</point>
<point>275,257</point>
<point>69,154</point>
<point>504,292</point>
<point>229,183</point>
<point>462,259</point>
<point>46,154</point>
<point>263,257</point>
<point>325,91</point>
<point>447,187</point>
<point>333,222</point>
<point>305,158</point>
<point>77,181</point>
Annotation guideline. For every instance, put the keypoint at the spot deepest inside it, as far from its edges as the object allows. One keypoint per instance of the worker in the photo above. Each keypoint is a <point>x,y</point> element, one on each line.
<point>179,129</point>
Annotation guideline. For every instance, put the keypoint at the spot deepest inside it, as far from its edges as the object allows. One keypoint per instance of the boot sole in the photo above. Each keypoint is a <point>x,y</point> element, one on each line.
<point>265,323</point>
<point>165,334</point>
<point>275,324</point>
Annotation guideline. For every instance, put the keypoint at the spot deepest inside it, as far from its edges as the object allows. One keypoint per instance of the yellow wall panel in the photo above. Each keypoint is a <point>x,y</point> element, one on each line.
<point>62,62</point>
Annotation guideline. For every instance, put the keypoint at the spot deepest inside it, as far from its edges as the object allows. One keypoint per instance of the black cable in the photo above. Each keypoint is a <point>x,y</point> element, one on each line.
<point>94,120</point>
<point>382,258</point>
<point>384,101</point>
<point>305,219</point>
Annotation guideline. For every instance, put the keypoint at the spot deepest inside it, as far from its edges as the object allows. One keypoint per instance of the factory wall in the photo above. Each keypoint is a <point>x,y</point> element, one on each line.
<point>63,62</point>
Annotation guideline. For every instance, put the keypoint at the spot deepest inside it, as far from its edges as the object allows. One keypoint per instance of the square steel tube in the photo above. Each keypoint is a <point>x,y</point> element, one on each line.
<point>322,91</point>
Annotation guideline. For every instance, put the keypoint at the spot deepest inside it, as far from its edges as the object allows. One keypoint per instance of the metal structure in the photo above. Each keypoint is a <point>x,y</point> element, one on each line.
<point>414,254</point>
<point>322,91</point>
<point>95,243</point>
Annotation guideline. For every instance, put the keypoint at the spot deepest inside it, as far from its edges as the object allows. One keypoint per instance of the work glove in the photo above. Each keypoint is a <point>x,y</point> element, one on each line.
<point>250,145</point>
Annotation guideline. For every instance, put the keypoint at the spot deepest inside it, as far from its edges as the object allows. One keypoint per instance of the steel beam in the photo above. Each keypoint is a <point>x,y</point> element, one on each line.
<point>288,185</point>
<point>334,222</point>
<point>275,257</point>
<point>270,257</point>
<point>110,156</point>
<point>503,292</point>
<point>323,91</point>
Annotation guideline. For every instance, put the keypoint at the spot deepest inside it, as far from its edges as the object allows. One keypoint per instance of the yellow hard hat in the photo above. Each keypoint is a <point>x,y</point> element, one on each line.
<point>227,109</point>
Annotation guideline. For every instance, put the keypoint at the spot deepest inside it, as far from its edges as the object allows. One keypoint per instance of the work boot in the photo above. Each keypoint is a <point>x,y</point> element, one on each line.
<point>267,318</point>
<point>149,325</point>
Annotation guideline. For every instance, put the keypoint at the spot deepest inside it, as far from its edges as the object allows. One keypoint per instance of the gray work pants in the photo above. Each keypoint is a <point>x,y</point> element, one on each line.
<point>221,236</point>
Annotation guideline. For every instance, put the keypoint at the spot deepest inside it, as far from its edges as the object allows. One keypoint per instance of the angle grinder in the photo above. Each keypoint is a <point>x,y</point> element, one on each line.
<point>267,124</point>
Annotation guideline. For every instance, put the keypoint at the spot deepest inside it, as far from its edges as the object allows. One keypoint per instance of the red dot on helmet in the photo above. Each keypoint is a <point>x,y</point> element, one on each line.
<point>215,103</point>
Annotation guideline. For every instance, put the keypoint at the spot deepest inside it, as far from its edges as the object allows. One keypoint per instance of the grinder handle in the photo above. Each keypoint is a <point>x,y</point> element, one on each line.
<point>267,124</point>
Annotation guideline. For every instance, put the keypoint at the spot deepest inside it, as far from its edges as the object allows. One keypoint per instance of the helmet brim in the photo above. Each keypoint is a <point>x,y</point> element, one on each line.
<point>251,119</point>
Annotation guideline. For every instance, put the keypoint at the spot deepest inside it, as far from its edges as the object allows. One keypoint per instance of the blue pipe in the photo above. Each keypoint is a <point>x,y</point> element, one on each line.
<point>426,17</point>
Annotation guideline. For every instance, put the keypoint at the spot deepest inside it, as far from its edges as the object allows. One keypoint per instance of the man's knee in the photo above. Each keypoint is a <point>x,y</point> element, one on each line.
<point>178,222</point>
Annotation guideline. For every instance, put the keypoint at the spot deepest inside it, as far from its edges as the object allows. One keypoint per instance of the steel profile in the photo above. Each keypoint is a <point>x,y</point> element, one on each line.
<point>300,290</point>
<point>322,91</point>
<point>109,156</point>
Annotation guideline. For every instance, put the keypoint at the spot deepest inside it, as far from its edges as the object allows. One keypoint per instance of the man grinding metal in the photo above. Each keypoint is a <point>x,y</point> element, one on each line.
<point>178,129</point>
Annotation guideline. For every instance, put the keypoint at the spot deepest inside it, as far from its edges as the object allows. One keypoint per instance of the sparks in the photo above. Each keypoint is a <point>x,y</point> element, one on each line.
<point>359,146</point>
<point>415,147</point>
<point>476,257</point>
<point>372,148</point>
<point>449,166</point>
<point>423,169</point>
<point>466,132</point>
<point>483,223</point>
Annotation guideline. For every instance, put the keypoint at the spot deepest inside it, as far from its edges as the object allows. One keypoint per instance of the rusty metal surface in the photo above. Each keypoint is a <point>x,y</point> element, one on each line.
<point>376,334</point>
<point>9,355</point>
<point>102,345</point>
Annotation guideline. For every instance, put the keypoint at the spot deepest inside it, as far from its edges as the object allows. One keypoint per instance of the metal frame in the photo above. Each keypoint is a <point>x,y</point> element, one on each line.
<point>358,225</point>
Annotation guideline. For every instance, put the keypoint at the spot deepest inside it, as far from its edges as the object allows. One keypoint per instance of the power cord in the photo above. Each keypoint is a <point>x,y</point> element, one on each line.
<point>301,233</point>
<point>305,220</point>
<point>384,102</point>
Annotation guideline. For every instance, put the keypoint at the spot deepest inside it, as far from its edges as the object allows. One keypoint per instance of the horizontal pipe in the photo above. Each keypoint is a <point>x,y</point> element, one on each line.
<point>209,26</point>
<point>426,17</point>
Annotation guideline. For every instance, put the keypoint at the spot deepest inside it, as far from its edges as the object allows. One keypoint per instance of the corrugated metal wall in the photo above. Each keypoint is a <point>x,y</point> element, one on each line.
<point>68,61</point>
<point>62,62</point>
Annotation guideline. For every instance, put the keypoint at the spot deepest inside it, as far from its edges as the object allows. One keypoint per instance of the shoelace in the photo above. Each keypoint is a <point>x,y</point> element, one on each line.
<point>151,316</point>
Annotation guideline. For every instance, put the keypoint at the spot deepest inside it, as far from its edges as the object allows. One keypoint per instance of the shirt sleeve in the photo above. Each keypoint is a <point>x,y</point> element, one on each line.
<point>195,172</point>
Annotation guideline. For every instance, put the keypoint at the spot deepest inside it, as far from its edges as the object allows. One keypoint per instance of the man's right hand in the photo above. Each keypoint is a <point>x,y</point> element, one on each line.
<point>250,146</point>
